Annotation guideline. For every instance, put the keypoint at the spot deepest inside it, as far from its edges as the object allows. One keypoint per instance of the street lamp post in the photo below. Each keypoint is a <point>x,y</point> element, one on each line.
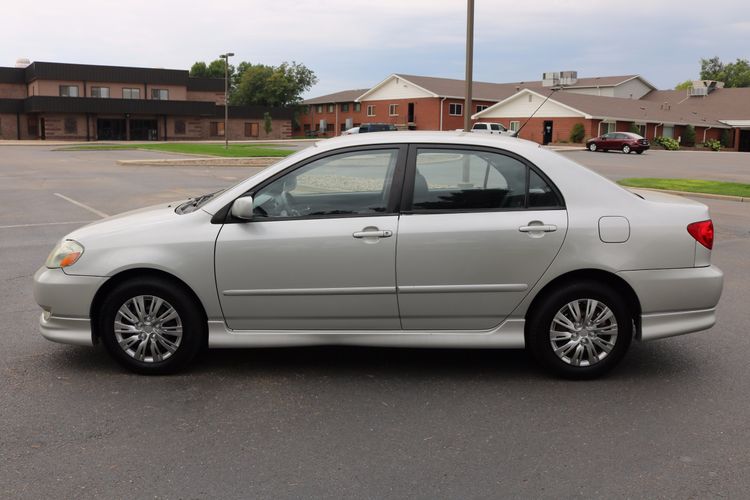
<point>226,97</point>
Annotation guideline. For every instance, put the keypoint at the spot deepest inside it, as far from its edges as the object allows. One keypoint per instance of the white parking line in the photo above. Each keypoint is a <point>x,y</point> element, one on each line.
<point>47,224</point>
<point>82,205</point>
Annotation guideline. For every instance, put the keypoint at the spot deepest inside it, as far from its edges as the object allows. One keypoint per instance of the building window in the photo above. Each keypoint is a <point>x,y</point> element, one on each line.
<point>32,126</point>
<point>179,127</point>
<point>329,128</point>
<point>131,93</point>
<point>357,107</point>
<point>217,129</point>
<point>345,107</point>
<point>607,127</point>
<point>100,92</point>
<point>71,125</point>
<point>481,107</point>
<point>514,126</point>
<point>68,90</point>
<point>371,110</point>
<point>160,94</point>
<point>393,110</point>
<point>319,108</point>
<point>531,98</point>
<point>641,129</point>
<point>251,129</point>
<point>455,109</point>
<point>331,108</point>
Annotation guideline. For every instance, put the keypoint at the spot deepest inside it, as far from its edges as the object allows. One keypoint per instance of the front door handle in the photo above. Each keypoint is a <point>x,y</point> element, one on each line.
<point>544,228</point>
<point>373,234</point>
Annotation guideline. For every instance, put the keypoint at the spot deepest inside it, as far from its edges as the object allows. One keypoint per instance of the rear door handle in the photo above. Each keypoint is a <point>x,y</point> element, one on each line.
<point>544,228</point>
<point>373,234</point>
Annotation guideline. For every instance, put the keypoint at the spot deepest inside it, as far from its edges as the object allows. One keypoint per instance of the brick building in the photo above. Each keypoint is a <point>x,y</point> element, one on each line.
<point>600,104</point>
<point>87,102</point>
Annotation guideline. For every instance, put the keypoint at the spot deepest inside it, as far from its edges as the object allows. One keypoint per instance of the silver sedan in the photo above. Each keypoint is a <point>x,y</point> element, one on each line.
<point>394,239</point>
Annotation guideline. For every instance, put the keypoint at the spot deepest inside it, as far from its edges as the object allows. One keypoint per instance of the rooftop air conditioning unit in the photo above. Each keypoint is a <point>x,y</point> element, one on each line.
<point>559,78</point>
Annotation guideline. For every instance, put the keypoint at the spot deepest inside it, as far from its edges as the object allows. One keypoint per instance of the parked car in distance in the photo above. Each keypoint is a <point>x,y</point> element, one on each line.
<point>490,128</point>
<point>415,239</point>
<point>621,141</point>
<point>353,130</point>
<point>377,127</point>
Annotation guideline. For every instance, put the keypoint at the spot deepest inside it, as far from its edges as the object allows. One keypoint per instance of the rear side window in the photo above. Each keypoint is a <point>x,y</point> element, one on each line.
<point>460,180</point>
<point>480,126</point>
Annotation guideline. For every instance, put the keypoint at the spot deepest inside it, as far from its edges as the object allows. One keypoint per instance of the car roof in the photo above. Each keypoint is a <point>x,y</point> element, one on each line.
<point>403,136</point>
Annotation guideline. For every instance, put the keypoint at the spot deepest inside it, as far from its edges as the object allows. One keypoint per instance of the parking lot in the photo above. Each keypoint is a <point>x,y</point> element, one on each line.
<point>670,421</point>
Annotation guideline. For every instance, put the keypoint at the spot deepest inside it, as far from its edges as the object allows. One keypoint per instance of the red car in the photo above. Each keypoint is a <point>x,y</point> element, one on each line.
<point>623,141</point>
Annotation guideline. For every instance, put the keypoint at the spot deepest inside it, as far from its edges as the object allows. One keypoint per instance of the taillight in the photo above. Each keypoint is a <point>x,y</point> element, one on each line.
<point>703,232</point>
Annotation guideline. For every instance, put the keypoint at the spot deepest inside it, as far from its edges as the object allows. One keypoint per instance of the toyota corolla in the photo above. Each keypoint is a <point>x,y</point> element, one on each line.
<point>407,239</point>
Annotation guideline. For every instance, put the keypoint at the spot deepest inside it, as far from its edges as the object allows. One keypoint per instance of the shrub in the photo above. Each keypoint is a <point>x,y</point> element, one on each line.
<point>635,128</point>
<point>688,137</point>
<point>577,133</point>
<point>713,144</point>
<point>267,122</point>
<point>726,138</point>
<point>667,143</point>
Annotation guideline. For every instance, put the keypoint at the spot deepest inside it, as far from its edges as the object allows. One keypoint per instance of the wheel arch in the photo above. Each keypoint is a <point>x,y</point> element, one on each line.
<point>129,274</point>
<point>621,286</point>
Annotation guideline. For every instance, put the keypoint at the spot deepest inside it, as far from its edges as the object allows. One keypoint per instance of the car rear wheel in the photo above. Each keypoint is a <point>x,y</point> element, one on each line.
<point>592,147</point>
<point>626,149</point>
<point>151,327</point>
<point>639,152</point>
<point>580,330</point>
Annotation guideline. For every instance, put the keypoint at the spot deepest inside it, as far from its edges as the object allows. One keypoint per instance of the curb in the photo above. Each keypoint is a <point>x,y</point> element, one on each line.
<point>691,194</point>
<point>257,162</point>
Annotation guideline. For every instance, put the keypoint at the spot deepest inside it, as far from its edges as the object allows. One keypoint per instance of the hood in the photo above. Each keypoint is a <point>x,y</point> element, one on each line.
<point>138,220</point>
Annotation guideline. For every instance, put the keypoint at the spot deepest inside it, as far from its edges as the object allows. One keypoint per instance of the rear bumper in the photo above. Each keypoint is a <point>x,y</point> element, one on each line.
<point>676,301</point>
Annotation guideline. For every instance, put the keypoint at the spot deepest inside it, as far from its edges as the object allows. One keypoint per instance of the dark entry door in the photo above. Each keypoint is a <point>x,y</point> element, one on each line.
<point>410,116</point>
<point>143,130</point>
<point>110,129</point>
<point>744,144</point>
<point>42,129</point>
<point>547,132</point>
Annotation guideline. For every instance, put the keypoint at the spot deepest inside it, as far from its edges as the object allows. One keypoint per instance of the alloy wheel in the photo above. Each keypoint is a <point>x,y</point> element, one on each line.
<point>583,332</point>
<point>148,328</point>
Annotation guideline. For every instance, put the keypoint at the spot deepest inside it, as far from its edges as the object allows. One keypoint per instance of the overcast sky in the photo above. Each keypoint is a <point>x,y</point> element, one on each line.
<point>355,44</point>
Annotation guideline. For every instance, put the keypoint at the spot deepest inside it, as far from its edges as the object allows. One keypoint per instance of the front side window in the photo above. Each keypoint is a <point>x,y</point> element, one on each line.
<point>100,92</point>
<point>355,183</point>
<point>160,94</point>
<point>460,180</point>
<point>455,109</point>
<point>68,91</point>
<point>131,93</point>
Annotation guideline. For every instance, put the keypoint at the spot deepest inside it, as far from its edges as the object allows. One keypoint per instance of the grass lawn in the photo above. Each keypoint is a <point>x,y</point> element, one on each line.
<point>690,185</point>
<point>234,151</point>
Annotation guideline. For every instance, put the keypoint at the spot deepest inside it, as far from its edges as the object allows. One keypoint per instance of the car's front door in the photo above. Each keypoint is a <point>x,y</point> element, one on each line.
<point>479,229</point>
<point>320,251</point>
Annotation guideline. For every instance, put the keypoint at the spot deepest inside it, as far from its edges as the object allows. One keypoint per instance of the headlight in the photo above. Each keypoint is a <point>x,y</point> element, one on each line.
<point>65,254</point>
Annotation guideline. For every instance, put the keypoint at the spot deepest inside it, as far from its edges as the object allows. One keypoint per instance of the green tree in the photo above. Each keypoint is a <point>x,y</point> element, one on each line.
<point>635,129</point>
<point>577,132</point>
<point>688,137</point>
<point>267,122</point>
<point>265,85</point>
<point>736,74</point>
<point>684,85</point>
<point>726,138</point>
<point>214,69</point>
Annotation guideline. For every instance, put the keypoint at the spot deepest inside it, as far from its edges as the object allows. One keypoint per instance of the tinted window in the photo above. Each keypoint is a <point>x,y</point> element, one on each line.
<point>480,126</point>
<point>495,126</point>
<point>477,180</point>
<point>356,183</point>
<point>461,180</point>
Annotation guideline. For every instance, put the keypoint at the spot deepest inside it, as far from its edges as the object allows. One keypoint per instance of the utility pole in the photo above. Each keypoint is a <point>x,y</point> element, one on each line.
<point>469,62</point>
<point>226,97</point>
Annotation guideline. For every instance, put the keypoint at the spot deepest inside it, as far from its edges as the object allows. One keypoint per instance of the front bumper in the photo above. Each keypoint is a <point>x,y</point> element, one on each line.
<point>676,301</point>
<point>66,300</point>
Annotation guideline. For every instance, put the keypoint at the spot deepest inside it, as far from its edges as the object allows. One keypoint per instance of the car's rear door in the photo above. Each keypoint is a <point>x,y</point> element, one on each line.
<point>320,252</point>
<point>478,228</point>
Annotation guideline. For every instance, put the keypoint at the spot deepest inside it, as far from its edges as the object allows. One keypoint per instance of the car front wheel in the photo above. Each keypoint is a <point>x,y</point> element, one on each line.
<point>580,330</point>
<point>151,326</point>
<point>626,149</point>
<point>592,147</point>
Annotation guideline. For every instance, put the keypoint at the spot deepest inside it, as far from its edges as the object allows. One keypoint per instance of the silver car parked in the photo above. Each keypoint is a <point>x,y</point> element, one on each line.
<point>393,239</point>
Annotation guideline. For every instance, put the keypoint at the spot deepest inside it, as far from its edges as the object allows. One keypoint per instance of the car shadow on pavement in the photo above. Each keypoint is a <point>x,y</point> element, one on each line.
<point>651,361</point>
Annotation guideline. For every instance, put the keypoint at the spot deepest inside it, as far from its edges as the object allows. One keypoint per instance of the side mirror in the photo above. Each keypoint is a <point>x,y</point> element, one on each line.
<point>242,208</point>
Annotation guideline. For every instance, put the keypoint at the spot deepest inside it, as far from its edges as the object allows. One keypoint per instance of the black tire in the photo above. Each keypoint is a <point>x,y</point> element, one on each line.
<point>639,152</point>
<point>592,147</point>
<point>539,323</point>
<point>194,327</point>
<point>626,149</point>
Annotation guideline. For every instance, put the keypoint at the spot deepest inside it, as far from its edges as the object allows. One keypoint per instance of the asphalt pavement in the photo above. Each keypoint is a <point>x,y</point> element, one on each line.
<point>670,422</point>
